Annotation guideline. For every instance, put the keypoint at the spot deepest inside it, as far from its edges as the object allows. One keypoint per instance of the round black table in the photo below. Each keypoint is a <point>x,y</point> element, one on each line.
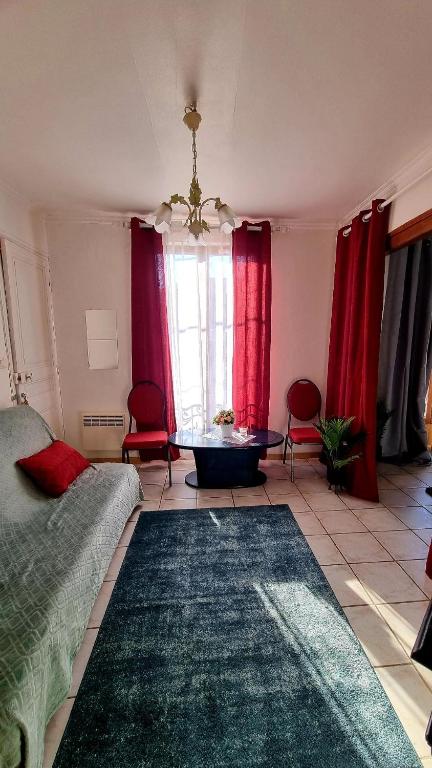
<point>223,464</point>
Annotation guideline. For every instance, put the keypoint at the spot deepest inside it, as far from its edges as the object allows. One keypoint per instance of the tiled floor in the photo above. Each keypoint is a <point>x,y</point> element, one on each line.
<point>372,554</point>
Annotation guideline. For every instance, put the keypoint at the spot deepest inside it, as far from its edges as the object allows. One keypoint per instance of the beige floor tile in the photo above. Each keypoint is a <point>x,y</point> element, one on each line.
<point>250,501</point>
<point>416,570</point>
<point>425,534</point>
<point>259,490</point>
<point>101,604</point>
<point>211,502</point>
<point>389,469</point>
<point>127,534</point>
<point>168,504</point>
<point>402,545</point>
<point>289,500</point>
<point>419,495</point>
<point>379,519</point>
<point>324,550</point>
<point>295,503</point>
<point>346,586</point>
<point>179,491</point>
<point>413,517</point>
<point>360,547</point>
<point>308,523</point>
<point>419,469</point>
<point>146,506</point>
<point>412,701</point>
<point>404,619</point>
<point>152,492</point>
<point>340,522</point>
<point>184,463</point>
<point>302,471</point>
<point>281,486</point>
<point>324,502</point>
<point>215,493</point>
<point>115,564</point>
<point>387,582</point>
<point>352,502</point>
<point>55,730</point>
<point>178,475</point>
<point>153,476</point>
<point>385,482</point>
<point>378,641</point>
<point>312,485</point>
<point>396,498</point>
<point>407,481</point>
<point>278,472</point>
<point>152,466</point>
<point>81,660</point>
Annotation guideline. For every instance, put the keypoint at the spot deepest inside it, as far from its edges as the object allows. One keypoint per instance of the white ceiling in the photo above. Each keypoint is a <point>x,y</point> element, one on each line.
<point>308,105</point>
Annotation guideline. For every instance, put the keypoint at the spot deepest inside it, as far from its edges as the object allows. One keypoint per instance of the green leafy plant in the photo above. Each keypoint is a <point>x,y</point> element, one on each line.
<point>337,445</point>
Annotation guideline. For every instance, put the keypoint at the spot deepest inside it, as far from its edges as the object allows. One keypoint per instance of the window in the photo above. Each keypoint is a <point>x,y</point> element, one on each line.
<point>200,318</point>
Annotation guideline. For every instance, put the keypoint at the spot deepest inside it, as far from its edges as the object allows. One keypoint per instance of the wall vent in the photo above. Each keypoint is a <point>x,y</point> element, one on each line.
<point>102,431</point>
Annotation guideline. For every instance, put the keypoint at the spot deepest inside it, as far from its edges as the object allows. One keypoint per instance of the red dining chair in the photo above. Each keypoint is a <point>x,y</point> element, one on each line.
<point>147,405</point>
<point>304,403</point>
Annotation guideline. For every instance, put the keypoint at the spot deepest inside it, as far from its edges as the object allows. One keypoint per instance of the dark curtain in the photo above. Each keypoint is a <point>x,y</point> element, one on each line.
<point>251,253</point>
<point>406,351</point>
<point>352,378</point>
<point>151,358</point>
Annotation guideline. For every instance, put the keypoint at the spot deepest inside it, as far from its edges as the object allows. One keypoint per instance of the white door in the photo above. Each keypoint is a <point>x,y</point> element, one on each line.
<point>7,389</point>
<point>28,296</point>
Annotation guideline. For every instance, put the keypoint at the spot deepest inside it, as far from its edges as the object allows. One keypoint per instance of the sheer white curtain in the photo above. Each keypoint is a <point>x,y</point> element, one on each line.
<point>200,319</point>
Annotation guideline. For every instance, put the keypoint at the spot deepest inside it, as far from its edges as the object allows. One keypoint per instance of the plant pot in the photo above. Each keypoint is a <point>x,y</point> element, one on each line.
<point>336,477</point>
<point>226,430</point>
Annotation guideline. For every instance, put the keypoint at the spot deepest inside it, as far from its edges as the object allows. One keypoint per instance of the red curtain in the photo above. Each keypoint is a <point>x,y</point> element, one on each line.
<point>355,337</point>
<point>151,358</point>
<point>252,324</point>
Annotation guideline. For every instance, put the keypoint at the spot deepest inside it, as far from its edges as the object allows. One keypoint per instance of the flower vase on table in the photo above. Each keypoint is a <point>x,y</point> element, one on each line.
<point>225,420</point>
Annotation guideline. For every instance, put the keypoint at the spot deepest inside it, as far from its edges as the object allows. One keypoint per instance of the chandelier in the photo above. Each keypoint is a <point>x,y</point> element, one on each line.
<point>161,218</point>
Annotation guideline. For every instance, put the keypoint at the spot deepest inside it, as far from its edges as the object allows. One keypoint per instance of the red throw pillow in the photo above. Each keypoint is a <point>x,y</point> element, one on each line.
<point>54,468</point>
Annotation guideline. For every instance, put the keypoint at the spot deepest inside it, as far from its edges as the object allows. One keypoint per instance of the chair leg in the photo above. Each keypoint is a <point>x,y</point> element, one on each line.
<point>169,466</point>
<point>127,457</point>
<point>285,449</point>
<point>292,461</point>
<point>123,455</point>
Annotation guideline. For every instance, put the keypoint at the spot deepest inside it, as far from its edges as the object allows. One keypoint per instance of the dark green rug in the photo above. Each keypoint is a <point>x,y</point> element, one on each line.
<point>223,645</point>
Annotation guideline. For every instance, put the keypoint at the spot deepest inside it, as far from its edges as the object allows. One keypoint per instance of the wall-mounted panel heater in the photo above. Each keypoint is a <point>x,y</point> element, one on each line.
<point>102,431</point>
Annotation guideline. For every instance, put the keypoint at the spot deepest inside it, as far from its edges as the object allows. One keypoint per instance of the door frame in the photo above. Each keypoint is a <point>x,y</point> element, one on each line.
<point>4,322</point>
<point>37,257</point>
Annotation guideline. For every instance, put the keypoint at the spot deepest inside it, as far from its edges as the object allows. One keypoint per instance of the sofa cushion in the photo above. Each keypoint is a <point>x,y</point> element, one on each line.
<point>54,468</point>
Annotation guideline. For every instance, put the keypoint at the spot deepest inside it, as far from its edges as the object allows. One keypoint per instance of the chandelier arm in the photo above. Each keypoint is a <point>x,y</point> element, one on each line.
<point>208,200</point>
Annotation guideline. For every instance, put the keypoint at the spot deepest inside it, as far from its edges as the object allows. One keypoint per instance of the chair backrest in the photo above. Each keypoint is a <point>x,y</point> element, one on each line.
<point>303,400</point>
<point>147,405</point>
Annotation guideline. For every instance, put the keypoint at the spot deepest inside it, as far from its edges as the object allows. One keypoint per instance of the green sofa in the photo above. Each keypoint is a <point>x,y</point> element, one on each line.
<point>54,554</point>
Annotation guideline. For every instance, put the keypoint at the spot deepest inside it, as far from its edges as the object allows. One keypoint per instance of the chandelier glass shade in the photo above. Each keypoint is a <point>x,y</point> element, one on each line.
<point>161,218</point>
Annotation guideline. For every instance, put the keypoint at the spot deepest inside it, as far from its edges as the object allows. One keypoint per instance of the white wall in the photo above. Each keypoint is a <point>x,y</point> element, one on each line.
<point>18,220</point>
<point>415,201</point>
<point>90,269</point>
<point>302,276</point>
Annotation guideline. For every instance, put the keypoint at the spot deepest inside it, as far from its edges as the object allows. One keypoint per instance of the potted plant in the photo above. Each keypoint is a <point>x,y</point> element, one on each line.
<point>337,444</point>
<point>225,420</point>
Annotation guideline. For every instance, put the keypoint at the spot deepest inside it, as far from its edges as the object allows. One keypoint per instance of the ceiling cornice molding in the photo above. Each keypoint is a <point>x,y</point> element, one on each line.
<point>291,225</point>
<point>122,218</point>
<point>402,178</point>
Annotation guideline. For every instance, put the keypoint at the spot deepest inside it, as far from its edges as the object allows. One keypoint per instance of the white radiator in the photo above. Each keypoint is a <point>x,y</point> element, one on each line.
<point>102,431</point>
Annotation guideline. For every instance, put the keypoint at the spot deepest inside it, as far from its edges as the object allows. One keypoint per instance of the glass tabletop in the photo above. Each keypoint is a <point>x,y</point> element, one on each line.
<point>188,438</point>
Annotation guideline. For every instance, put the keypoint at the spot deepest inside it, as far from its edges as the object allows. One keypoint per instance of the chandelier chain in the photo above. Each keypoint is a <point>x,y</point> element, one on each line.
<point>194,155</point>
